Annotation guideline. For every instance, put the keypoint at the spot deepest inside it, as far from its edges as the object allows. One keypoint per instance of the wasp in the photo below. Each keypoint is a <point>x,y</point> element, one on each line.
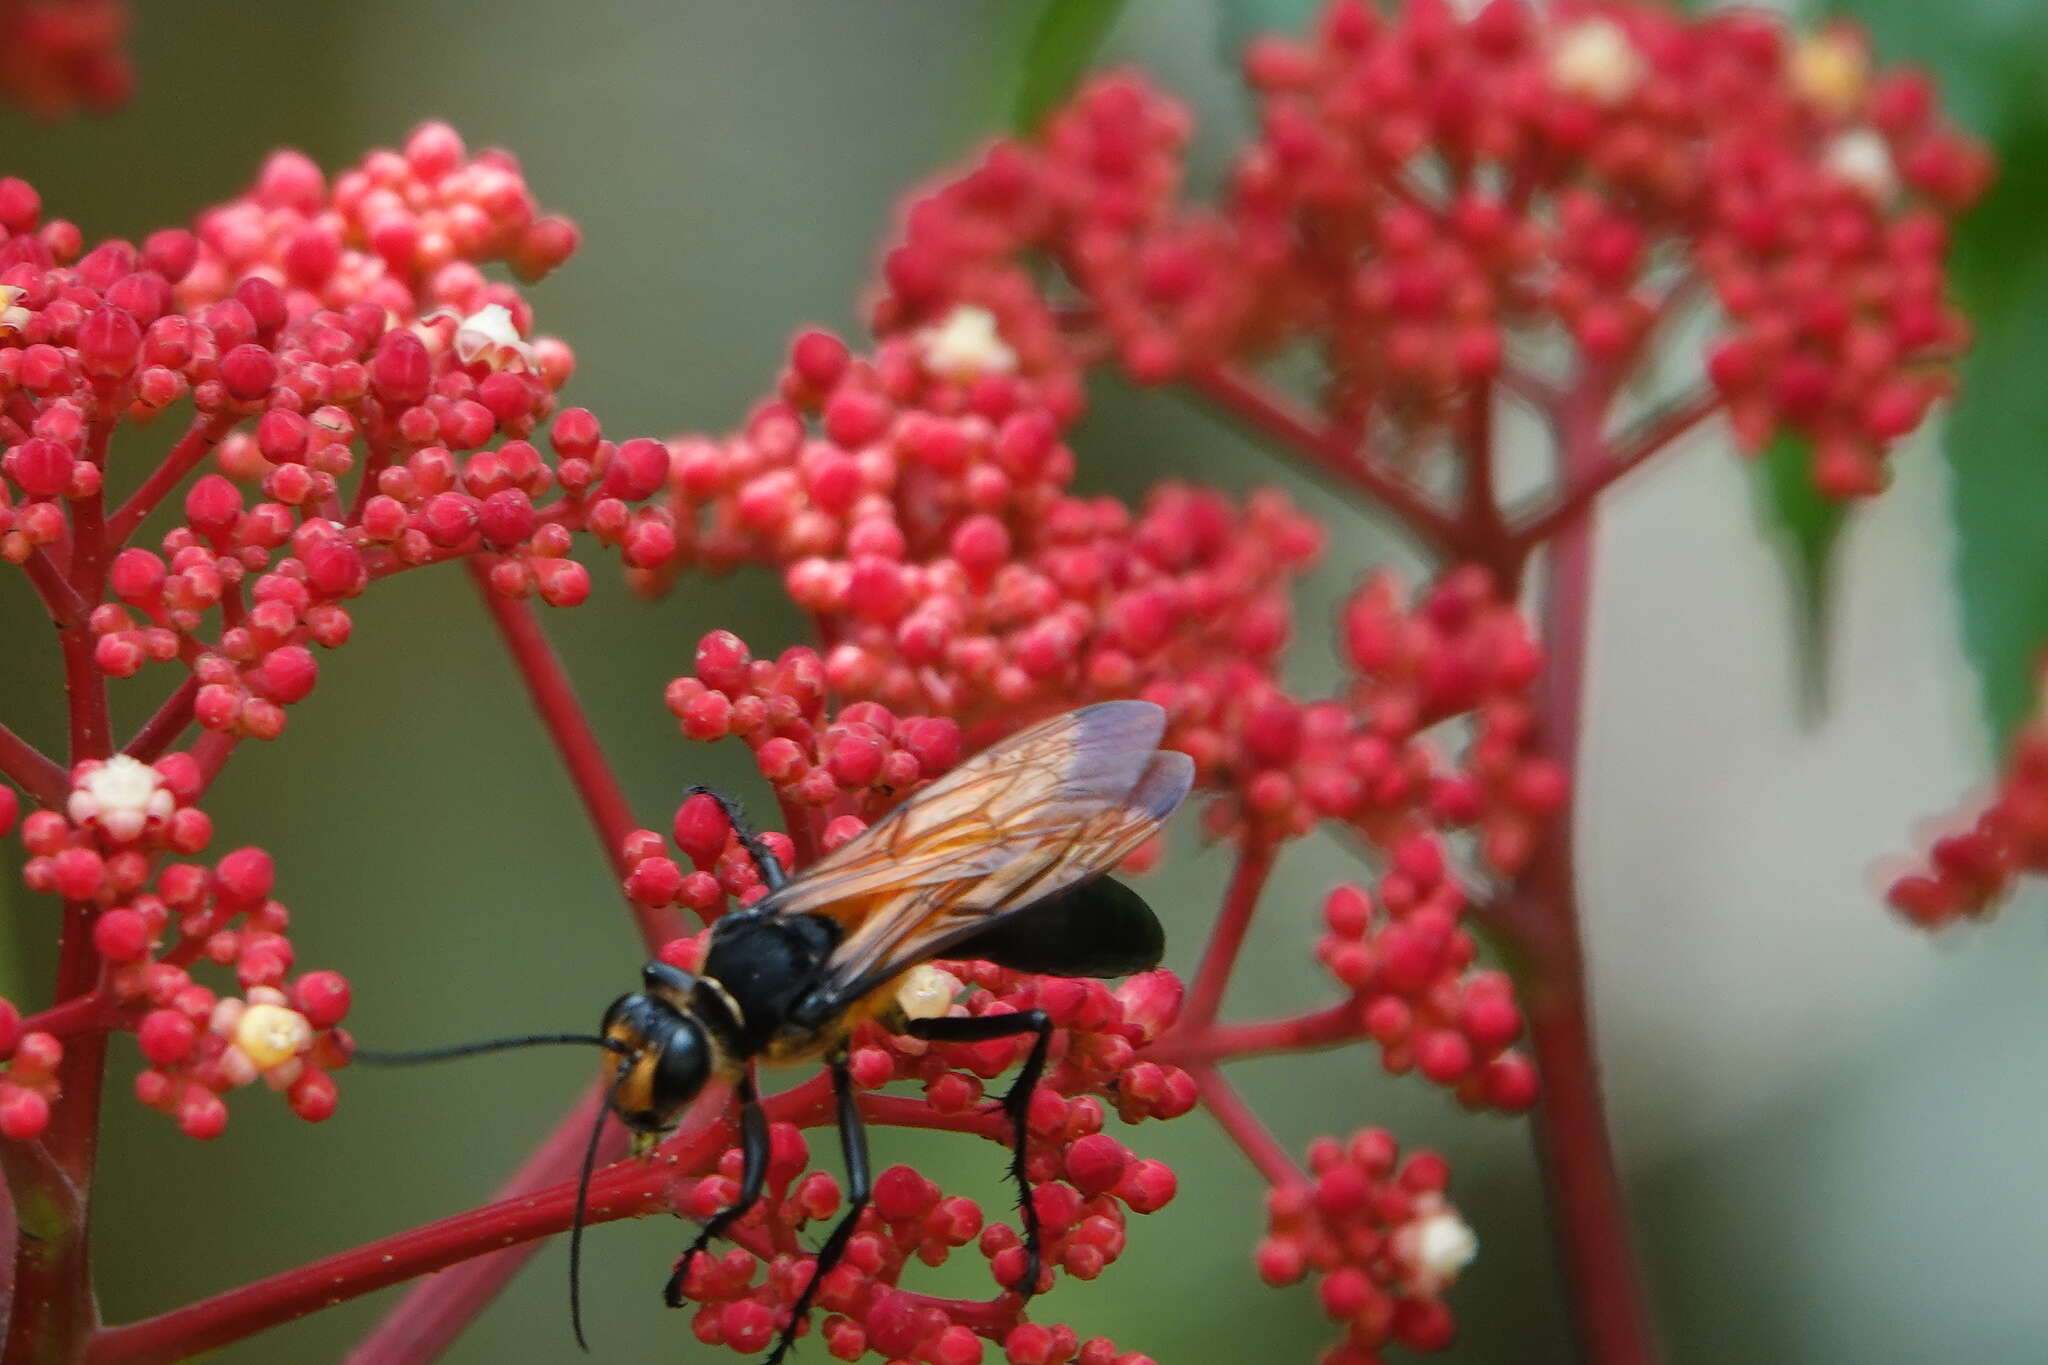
<point>1003,859</point>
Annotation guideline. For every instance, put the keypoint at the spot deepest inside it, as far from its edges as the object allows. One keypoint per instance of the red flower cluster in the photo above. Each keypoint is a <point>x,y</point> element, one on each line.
<point>323,335</point>
<point>108,854</point>
<point>918,503</point>
<point>62,54</point>
<point>1969,871</point>
<point>1364,760</point>
<point>1430,192</point>
<point>1380,1233</point>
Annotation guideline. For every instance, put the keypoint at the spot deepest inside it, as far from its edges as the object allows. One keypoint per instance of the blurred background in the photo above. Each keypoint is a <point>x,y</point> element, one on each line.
<point>1829,1124</point>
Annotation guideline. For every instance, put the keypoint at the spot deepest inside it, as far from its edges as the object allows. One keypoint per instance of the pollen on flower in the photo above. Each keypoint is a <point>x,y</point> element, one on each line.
<point>1831,69</point>
<point>1596,59</point>
<point>271,1035</point>
<point>927,992</point>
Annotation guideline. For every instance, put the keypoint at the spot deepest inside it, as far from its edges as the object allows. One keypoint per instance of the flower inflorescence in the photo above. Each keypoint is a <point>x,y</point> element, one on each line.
<point>1443,207</point>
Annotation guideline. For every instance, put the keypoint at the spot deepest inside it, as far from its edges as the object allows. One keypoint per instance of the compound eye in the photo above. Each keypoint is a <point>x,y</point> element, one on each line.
<point>682,1068</point>
<point>659,977</point>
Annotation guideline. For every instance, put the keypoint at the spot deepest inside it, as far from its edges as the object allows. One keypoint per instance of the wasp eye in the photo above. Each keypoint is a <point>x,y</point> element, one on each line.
<point>682,1068</point>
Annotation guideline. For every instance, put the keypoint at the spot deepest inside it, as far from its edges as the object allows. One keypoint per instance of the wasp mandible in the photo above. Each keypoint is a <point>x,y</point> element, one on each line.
<point>1002,859</point>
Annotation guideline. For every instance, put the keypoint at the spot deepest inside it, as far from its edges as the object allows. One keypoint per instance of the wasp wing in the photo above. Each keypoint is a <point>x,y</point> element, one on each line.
<point>1053,806</point>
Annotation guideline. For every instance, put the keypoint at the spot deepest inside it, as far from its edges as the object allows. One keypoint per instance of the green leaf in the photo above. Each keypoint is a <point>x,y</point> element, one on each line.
<point>1063,39</point>
<point>1992,61</point>
<point>1805,526</point>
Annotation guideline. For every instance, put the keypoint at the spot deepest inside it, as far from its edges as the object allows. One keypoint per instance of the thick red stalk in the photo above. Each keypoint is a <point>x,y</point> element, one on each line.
<point>165,724</point>
<point>1219,958</point>
<point>1602,1283</point>
<point>1244,1128</point>
<point>1326,1028</point>
<point>429,1318</point>
<point>199,439</point>
<point>625,1189</point>
<point>1342,462</point>
<point>1588,1214</point>
<point>1585,485</point>
<point>34,771</point>
<point>435,1312</point>
<point>52,1309</point>
<point>554,698</point>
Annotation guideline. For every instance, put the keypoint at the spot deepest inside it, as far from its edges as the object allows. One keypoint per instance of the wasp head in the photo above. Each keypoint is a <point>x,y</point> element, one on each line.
<point>670,1055</point>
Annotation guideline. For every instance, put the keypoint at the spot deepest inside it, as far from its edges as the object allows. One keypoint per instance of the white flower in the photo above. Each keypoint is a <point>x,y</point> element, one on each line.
<point>121,796</point>
<point>926,992</point>
<point>966,345</point>
<point>489,335</point>
<point>1436,1247</point>
<point>1595,59</point>
<point>1863,159</point>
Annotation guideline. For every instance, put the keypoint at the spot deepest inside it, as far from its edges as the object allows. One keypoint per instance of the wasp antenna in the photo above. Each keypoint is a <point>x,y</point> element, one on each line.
<point>583,1202</point>
<point>442,1054</point>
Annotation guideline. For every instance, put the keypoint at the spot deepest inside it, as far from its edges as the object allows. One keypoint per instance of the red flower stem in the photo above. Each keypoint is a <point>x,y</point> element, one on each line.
<point>625,1189</point>
<point>426,1321</point>
<point>1244,1128</point>
<point>52,1308</point>
<point>199,439</point>
<point>34,771</point>
<point>210,751</point>
<point>64,603</point>
<point>1332,1027</point>
<point>1587,484</point>
<point>554,697</point>
<point>85,689</point>
<point>91,546</point>
<point>91,1013</point>
<point>434,1313</point>
<point>1577,1156</point>
<point>164,726</point>
<point>1219,958</point>
<point>1340,461</point>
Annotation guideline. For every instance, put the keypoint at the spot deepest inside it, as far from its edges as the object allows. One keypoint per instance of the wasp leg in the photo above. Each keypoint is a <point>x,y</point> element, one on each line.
<point>1016,1102</point>
<point>753,1175</point>
<point>853,1145</point>
<point>773,874</point>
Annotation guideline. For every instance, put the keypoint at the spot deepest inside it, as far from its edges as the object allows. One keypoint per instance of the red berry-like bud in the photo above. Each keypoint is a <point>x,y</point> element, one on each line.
<point>244,878</point>
<point>248,371</point>
<point>121,935</point>
<point>401,371</point>
<point>201,1114</point>
<point>166,1037</point>
<point>313,1096</point>
<point>323,997</point>
<point>24,1114</point>
<point>108,343</point>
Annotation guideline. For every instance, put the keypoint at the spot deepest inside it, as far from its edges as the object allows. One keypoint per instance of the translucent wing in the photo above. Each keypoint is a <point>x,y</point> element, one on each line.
<point>1050,807</point>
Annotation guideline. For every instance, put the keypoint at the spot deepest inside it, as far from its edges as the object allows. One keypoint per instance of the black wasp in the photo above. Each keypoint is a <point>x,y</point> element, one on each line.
<point>1002,859</point>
